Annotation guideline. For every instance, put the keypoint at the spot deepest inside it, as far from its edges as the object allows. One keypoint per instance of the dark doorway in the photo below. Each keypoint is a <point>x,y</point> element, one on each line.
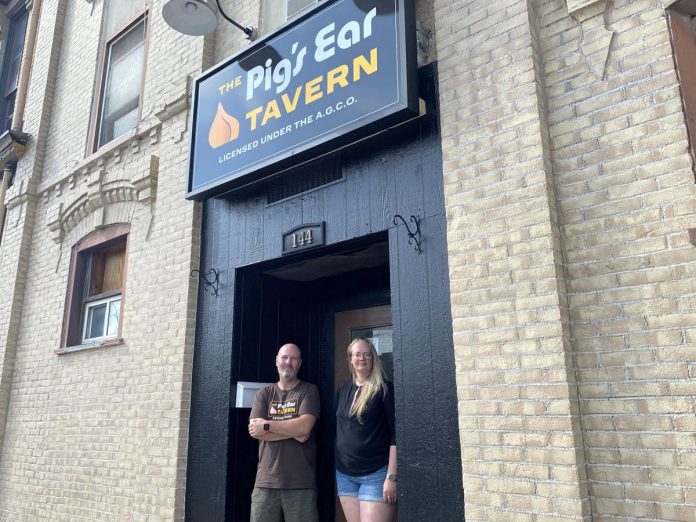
<point>297,300</point>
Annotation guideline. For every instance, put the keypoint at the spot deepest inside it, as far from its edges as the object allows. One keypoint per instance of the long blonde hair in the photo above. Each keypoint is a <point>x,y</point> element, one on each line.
<point>375,384</point>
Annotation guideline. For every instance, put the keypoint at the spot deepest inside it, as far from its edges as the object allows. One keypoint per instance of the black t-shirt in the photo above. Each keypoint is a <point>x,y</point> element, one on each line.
<point>362,449</point>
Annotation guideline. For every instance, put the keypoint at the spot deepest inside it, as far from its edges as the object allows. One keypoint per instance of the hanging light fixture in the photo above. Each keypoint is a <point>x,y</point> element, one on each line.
<point>196,18</point>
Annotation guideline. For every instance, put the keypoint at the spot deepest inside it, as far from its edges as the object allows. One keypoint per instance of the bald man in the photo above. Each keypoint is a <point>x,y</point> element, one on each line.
<point>282,419</point>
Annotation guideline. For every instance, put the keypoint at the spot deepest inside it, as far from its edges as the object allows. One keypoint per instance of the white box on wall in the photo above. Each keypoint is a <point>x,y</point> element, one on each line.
<point>246,391</point>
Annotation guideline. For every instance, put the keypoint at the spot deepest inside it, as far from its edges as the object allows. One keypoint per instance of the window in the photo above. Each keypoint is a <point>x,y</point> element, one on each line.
<point>294,8</point>
<point>122,79</point>
<point>11,62</point>
<point>277,12</point>
<point>682,23</point>
<point>95,289</point>
<point>102,318</point>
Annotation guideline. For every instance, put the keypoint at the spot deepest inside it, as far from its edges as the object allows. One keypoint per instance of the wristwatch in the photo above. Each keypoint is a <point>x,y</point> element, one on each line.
<point>391,476</point>
<point>266,426</point>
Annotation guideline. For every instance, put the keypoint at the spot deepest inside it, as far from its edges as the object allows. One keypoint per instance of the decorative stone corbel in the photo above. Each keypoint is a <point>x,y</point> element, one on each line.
<point>95,181</point>
<point>146,182</point>
<point>20,193</point>
<point>596,38</point>
<point>146,185</point>
<point>53,220</point>
<point>167,110</point>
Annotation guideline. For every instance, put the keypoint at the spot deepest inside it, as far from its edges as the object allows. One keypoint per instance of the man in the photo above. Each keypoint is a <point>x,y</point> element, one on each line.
<point>282,419</point>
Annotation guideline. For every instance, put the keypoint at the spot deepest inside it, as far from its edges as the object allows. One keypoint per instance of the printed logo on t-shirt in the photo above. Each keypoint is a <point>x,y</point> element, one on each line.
<point>280,410</point>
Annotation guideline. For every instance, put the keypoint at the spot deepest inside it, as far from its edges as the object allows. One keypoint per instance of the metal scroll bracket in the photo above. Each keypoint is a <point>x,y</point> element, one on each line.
<point>413,235</point>
<point>212,281</point>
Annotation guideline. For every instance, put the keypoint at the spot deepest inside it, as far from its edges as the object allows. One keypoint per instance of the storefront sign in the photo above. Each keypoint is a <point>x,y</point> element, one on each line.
<point>340,73</point>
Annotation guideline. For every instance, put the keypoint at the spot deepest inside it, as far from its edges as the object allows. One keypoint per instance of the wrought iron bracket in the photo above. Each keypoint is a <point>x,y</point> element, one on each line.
<point>212,284</point>
<point>413,235</point>
<point>249,31</point>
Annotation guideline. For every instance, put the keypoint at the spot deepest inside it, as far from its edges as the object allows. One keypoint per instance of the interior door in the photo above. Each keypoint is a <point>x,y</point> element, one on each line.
<point>375,324</point>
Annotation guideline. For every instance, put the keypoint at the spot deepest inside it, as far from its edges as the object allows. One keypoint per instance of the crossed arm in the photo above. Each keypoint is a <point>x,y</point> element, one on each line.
<point>298,428</point>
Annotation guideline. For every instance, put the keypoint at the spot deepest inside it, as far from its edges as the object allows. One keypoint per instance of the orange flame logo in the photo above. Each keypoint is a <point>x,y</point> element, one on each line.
<point>225,128</point>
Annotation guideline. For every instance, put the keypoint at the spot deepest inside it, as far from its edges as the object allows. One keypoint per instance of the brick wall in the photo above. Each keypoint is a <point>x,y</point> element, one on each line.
<point>625,187</point>
<point>519,429</point>
<point>101,433</point>
<point>569,191</point>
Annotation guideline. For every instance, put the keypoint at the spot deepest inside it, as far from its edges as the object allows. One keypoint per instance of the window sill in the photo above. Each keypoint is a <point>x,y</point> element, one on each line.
<point>89,346</point>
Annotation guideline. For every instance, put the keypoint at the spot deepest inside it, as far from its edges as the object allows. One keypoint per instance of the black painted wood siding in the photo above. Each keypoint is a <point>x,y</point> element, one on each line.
<point>397,172</point>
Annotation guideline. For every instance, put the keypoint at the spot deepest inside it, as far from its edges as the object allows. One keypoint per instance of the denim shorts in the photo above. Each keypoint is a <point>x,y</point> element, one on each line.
<point>368,487</point>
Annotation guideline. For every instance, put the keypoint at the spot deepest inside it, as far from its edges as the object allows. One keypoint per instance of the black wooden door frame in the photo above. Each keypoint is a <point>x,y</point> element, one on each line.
<point>308,309</point>
<point>430,478</point>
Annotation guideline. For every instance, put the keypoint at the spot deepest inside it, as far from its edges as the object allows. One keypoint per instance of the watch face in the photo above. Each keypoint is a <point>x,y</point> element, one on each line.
<point>266,427</point>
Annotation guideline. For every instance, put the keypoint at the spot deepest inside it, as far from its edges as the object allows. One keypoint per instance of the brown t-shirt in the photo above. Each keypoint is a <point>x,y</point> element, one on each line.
<point>286,464</point>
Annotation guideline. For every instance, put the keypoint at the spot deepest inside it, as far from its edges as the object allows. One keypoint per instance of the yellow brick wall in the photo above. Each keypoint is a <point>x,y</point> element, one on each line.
<point>520,435</point>
<point>98,434</point>
<point>626,194</point>
<point>569,192</point>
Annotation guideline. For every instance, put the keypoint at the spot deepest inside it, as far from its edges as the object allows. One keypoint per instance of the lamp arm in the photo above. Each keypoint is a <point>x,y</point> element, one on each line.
<point>249,31</point>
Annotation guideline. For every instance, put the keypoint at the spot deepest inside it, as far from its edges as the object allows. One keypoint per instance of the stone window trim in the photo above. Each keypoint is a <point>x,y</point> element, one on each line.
<point>90,346</point>
<point>88,183</point>
<point>137,142</point>
<point>75,300</point>
<point>141,17</point>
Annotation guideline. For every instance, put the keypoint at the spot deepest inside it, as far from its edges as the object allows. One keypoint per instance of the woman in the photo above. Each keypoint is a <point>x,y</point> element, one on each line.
<point>365,439</point>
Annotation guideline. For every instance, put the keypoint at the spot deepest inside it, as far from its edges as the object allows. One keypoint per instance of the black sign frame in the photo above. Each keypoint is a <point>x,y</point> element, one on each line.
<point>339,138</point>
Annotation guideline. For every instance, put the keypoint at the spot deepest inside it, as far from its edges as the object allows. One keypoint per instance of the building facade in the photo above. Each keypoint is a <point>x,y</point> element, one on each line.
<point>541,342</point>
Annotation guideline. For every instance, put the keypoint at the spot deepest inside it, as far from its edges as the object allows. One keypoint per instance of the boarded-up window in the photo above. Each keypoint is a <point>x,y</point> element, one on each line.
<point>107,269</point>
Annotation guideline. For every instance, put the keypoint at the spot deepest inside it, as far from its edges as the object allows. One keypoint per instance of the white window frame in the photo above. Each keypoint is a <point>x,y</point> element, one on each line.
<point>109,301</point>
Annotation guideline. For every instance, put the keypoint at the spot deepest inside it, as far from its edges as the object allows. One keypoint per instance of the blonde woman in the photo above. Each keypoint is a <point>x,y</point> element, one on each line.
<point>365,439</point>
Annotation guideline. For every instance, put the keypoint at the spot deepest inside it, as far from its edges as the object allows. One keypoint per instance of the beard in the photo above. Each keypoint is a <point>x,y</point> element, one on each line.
<point>287,373</point>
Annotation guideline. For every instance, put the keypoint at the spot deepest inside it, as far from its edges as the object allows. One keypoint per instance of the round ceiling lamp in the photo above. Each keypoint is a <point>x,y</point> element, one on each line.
<point>196,18</point>
<point>192,17</point>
